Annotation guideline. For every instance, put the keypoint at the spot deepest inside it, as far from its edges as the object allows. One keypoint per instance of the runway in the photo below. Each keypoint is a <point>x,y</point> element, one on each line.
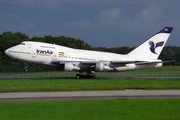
<point>89,95</point>
<point>164,78</point>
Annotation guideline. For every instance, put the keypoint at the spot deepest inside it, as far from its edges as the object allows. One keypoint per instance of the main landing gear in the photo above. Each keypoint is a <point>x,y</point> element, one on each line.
<point>86,75</point>
<point>25,67</point>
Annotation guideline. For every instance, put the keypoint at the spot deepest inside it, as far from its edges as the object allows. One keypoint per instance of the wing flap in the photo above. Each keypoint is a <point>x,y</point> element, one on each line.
<point>146,63</point>
<point>122,62</point>
<point>143,63</point>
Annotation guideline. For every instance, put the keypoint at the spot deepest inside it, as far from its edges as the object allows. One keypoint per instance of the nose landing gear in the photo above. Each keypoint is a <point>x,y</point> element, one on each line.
<point>25,67</point>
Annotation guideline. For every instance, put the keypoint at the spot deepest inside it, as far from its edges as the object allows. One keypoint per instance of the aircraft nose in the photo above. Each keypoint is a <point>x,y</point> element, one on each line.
<point>6,52</point>
<point>9,53</point>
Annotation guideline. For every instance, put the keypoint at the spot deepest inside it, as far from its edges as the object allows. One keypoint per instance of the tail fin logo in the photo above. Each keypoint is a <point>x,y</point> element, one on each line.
<point>153,47</point>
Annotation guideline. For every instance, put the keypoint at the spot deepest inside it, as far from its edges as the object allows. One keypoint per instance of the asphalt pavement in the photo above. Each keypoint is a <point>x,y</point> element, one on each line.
<point>89,95</point>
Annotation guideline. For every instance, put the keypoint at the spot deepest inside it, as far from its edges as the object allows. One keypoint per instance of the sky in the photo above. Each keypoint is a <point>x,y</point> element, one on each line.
<point>103,23</point>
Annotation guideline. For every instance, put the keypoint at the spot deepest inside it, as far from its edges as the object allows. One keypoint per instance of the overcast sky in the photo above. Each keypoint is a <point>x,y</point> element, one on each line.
<point>98,22</point>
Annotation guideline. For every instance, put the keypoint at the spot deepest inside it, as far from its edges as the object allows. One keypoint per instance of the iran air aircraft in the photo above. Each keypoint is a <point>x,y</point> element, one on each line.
<point>87,62</point>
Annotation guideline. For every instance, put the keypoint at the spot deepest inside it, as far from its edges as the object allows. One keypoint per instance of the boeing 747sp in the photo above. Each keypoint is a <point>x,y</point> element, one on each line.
<point>87,62</point>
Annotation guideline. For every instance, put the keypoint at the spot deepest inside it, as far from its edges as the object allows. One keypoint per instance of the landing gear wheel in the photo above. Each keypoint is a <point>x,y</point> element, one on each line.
<point>82,76</point>
<point>87,76</point>
<point>78,76</point>
<point>25,70</point>
<point>93,76</point>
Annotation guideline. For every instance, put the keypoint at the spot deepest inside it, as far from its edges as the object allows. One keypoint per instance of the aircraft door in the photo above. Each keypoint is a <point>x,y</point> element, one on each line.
<point>29,45</point>
<point>55,55</point>
<point>34,53</point>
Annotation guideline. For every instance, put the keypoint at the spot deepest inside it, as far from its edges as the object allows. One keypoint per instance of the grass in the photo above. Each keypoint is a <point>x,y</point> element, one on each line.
<point>93,110</point>
<point>35,85</point>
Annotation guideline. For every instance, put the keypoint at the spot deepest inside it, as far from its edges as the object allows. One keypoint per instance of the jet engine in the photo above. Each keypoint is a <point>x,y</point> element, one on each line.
<point>102,67</point>
<point>71,67</point>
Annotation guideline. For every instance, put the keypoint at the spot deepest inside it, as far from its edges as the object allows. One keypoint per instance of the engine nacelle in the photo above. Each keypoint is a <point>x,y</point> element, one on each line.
<point>70,67</point>
<point>101,67</point>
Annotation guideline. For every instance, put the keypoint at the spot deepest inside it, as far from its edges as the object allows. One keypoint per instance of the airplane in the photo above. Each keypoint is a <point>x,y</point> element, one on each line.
<point>87,62</point>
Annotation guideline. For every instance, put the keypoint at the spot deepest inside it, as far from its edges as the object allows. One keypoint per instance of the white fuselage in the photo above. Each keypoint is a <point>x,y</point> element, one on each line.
<point>39,53</point>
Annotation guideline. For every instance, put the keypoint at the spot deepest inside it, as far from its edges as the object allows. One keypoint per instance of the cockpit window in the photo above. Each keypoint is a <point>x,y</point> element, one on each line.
<point>22,43</point>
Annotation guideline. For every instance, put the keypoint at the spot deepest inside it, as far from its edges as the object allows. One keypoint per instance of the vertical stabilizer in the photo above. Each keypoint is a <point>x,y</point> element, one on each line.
<point>152,47</point>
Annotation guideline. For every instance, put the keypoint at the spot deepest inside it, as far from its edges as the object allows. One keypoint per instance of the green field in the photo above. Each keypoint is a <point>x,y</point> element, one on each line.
<point>93,110</point>
<point>33,85</point>
<point>41,85</point>
<point>121,109</point>
<point>165,71</point>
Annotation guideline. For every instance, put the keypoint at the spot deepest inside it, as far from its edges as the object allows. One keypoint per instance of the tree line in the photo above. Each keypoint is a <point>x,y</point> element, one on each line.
<point>9,39</point>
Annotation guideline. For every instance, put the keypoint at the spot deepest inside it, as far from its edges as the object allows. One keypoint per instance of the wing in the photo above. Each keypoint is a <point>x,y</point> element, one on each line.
<point>101,65</point>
